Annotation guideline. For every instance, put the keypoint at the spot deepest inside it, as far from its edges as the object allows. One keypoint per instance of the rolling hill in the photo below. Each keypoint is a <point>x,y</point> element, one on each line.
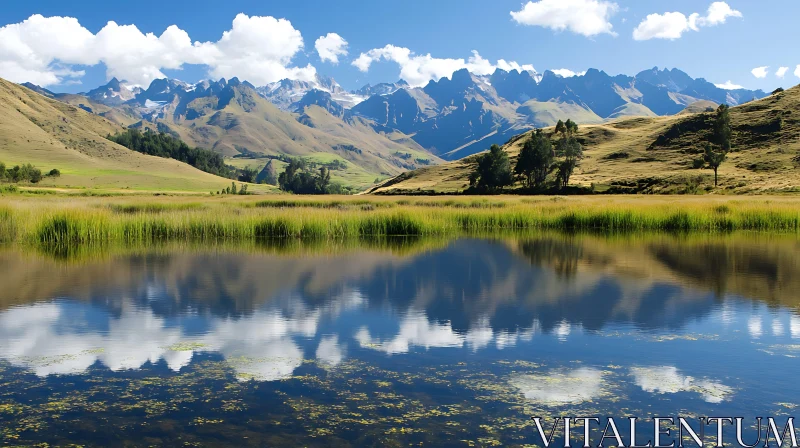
<point>52,134</point>
<point>658,154</point>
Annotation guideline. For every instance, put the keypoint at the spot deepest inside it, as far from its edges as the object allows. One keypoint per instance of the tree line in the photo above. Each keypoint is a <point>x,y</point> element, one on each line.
<point>546,163</point>
<point>542,164</point>
<point>163,145</point>
<point>300,177</point>
<point>24,173</point>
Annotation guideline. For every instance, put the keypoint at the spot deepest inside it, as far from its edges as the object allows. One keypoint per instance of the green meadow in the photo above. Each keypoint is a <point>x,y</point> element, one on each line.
<point>59,219</point>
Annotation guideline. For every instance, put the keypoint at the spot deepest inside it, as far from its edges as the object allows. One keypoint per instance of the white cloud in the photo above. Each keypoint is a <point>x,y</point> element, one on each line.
<point>567,73</point>
<point>797,71</point>
<point>586,17</point>
<point>418,70</point>
<point>330,47</point>
<point>760,72</point>
<point>672,25</point>
<point>42,49</point>
<point>729,86</point>
<point>719,12</point>
<point>781,72</point>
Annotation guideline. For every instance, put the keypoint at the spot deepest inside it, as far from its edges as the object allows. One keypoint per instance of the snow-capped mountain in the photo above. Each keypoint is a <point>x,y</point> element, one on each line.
<point>453,117</point>
<point>384,88</point>
<point>114,93</point>
<point>287,93</point>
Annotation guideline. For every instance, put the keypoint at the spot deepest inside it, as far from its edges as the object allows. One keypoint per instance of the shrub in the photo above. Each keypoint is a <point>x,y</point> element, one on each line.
<point>54,173</point>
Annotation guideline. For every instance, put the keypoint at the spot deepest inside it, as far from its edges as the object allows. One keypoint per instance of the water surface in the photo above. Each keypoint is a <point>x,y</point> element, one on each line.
<point>445,343</point>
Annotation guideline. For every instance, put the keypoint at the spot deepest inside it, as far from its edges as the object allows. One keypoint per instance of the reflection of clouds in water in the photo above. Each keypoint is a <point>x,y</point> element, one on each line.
<point>479,335</point>
<point>727,314</point>
<point>563,330</point>
<point>754,327</point>
<point>260,346</point>
<point>668,380</point>
<point>509,339</point>
<point>777,328</point>
<point>415,330</point>
<point>31,338</point>
<point>44,339</point>
<point>794,327</point>
<point>561,387</point>
<point>329,352</point>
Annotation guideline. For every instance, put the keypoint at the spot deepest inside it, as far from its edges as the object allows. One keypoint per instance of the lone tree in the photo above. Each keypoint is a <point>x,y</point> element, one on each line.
<point>535,159</point>
<point>569,150</point>
<point>717,150</point>
<point>714,159</point>
<point>493,172</point>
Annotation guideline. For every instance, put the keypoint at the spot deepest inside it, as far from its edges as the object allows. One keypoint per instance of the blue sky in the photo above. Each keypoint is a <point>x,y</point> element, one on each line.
<point>756,36</point>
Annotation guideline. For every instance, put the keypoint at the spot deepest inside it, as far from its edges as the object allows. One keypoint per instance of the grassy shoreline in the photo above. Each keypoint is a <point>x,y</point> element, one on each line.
<point>55,220</point>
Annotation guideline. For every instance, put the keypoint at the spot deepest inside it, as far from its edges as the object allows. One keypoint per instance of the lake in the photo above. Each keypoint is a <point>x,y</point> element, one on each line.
<point>433,342</point>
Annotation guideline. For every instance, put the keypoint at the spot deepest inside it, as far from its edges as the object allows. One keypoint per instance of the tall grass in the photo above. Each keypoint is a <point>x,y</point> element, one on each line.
<point>58,221</point>
<point>8,225</point>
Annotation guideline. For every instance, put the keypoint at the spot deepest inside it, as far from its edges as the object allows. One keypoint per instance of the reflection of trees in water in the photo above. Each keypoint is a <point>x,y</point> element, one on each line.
<point>561,255</point>
<point>552,279</point>
<point>758,271</point>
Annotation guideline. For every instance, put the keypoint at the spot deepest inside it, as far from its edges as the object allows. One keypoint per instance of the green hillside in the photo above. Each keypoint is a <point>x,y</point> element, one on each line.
<point>52,134</point>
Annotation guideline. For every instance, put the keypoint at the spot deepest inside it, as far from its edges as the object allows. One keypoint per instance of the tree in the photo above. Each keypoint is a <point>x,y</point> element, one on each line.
<point>714,159</point>
<point>570,151</point>
<point>233,188</point>
<point>297,179</point>
<point>535,159</point>
<point>717,150</point>
<point>494,170</point>
<point>560,127</point>
<point>722,128</point>
<point>323,180</point>
<point>54,173</point>
<point>248,174</point>
<point>2,171</point>
<point>571,127</point>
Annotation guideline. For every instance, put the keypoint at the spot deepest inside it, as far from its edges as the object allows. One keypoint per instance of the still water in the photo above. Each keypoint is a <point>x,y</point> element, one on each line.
<point>441,343</point>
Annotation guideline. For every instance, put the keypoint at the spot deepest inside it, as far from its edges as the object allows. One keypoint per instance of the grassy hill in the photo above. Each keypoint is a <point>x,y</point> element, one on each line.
<point>52,134</point>
<point>659,154</point>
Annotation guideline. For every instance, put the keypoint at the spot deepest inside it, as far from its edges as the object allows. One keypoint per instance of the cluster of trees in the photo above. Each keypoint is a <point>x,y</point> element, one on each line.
<point>539,157</point>
<point>163,145</point>
<point>300,178</point>
<point>242,190</point>
<point>716,150</point>
<point>24,173</point>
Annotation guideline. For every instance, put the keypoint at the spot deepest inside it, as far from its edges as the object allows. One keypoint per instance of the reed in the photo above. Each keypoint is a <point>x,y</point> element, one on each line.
<point>59,220</point>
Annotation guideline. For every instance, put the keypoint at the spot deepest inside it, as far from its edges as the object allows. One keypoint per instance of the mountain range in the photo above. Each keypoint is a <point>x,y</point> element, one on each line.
<point>379,131</point>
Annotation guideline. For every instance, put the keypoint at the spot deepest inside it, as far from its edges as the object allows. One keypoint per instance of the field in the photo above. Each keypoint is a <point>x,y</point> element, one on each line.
<point>61,220</point>
<point>659,154</point>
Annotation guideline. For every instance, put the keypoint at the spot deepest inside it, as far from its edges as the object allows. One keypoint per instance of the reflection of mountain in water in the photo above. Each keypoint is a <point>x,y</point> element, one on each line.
<point>126,310</point>
<point>584,280</point>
